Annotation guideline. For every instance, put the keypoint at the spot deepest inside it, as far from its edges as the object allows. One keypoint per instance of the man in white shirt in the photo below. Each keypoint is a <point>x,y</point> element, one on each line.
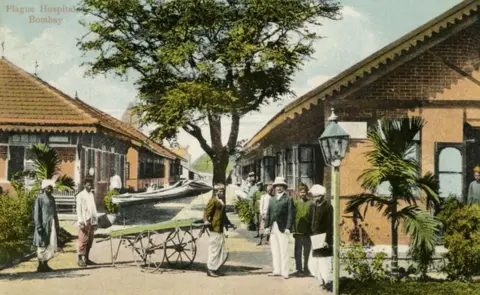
<point>87,218</point>
<point>264,202</point>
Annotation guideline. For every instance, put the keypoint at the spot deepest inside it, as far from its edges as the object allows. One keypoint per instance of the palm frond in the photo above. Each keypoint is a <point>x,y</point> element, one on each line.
<point>399,134</point>
<point>421,226</point>
<point>47,162</point>
<point>430,186</point>
<point>64,183</point>
<point>367,200</point>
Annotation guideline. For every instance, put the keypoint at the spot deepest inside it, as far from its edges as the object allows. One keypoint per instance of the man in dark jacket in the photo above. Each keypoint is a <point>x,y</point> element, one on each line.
<point>46,226</point>
<point>216,216</point>
<point>302,231</point>
<point>321,215</point>
<point>279,222</point>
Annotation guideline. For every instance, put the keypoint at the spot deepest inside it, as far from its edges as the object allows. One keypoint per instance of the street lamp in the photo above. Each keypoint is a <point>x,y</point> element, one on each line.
<point>334,143</point>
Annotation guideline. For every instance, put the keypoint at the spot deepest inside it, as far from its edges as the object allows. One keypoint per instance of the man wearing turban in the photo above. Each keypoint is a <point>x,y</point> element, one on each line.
<point>46,225</point>
<point>474,188</point>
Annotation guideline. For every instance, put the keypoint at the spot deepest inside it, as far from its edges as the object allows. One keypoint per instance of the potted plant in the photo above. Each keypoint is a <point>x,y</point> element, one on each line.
<point>112,209</point>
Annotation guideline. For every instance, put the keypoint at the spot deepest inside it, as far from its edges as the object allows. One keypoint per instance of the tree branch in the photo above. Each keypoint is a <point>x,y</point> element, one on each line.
<point>196,132</point>
<point>232,139</point>
<point>215,131</point>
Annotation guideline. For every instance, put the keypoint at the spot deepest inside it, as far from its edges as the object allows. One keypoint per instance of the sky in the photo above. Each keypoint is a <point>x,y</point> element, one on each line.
<point>366,26</point>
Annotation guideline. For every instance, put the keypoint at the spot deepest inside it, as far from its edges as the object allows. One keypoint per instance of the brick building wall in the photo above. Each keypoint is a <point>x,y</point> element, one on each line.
<point>426,77</point>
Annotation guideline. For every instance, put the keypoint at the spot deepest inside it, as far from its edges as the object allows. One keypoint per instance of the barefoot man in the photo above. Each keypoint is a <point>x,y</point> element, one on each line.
<point>46,225</point>
<point>87,217</point>
<point>216,216</point>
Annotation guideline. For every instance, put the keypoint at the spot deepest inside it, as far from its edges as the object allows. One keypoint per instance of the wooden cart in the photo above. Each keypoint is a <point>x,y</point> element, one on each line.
<point>150,249</point>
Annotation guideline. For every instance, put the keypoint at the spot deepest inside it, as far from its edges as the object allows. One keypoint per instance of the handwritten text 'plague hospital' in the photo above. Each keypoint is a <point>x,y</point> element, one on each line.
<point>34,16</point>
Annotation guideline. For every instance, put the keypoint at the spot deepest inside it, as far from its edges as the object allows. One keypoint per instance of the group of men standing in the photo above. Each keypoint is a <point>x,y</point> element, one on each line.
<point>46,224</point>
<point>276,215</point>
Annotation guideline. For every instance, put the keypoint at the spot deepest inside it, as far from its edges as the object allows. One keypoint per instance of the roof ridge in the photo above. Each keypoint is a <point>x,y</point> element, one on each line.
<point>352,73</point>
<point>53,90</point>
<point>459,8</point>
<point>129,129</point>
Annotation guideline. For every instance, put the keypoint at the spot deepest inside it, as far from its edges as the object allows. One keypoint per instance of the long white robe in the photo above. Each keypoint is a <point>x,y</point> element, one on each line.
<point>279,248</point>
<point>47,253</point>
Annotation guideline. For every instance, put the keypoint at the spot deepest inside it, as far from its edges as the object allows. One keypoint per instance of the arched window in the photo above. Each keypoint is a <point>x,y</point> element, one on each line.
<point>450,172</point>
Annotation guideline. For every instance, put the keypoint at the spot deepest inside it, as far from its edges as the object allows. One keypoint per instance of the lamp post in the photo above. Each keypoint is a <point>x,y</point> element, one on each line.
<point>334,144</point>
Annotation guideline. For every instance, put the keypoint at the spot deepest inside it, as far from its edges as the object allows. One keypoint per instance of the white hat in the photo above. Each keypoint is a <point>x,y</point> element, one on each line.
<point>47,182</point>
<point>280,181</point>
<point>251,174</point>
<point>318,190</point>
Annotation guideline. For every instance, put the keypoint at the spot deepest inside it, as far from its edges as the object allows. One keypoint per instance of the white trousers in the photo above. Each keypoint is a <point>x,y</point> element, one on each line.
<point>279,247</point>
<point>321,268</point>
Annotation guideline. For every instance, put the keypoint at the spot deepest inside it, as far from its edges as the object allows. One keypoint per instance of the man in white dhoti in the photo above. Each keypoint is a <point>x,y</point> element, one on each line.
<point>321,215</point>
<point>87,218</point>
<point>46,226</point>
<point>278,223</point>
<point>216,217</point>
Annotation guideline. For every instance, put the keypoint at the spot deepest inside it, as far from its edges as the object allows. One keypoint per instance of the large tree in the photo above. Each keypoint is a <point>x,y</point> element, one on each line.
<point>201,61</point>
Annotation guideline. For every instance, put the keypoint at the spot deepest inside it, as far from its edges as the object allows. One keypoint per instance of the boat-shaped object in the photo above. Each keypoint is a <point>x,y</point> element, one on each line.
<point>181,189</point>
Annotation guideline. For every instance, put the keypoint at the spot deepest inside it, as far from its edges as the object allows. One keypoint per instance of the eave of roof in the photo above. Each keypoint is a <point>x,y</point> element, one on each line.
<point>365,67</point>
<point>94,120</point>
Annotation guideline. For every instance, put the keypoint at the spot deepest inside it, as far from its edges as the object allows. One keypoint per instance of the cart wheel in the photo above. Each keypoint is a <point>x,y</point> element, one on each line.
<point>180,248</point>
<point>148,250</point>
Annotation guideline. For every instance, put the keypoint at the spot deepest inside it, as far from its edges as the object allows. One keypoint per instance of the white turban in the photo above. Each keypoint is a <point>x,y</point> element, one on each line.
<point>47,182</point>
<point>318,190</point>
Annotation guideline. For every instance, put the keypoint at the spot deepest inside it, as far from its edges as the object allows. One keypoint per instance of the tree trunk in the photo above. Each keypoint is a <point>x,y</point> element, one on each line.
<point>220,163</point>
<point>394,237</point>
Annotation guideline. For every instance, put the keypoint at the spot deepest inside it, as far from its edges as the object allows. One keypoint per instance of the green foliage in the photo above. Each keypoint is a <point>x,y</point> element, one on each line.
<point>392,143</point>
<point>16,213</point>
<point>199,62</point>
<point>205,164</point>
<point>47,165</point>
<point>16,225</point>
<point>405,287</point>
<point>355,261</point>
<point>244,210</point>
<point>424,235</point>
<point>109,205</point>
<point>461,225</point>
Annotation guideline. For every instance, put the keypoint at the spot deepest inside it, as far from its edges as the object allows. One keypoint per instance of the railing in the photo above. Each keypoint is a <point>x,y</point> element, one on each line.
<point>65,200</point>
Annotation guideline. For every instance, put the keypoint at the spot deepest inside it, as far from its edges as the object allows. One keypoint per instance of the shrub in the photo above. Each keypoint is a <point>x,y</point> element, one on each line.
<point>16,226</point>
<point>355,260</point>
<point>404,287</point>
<point>243,208</point>
<point>461,226</point>
<point>109,205</point>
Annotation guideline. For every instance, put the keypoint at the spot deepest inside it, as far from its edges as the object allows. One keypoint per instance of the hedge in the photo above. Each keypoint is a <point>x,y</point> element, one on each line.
<point>353,287</point>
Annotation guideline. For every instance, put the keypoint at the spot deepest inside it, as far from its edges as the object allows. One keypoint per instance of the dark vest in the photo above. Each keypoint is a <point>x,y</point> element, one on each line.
<point>281,211</point>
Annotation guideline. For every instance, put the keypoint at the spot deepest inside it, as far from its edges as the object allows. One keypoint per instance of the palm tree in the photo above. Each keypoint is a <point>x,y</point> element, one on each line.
<point>47,166</point>
<point>392,141</point>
